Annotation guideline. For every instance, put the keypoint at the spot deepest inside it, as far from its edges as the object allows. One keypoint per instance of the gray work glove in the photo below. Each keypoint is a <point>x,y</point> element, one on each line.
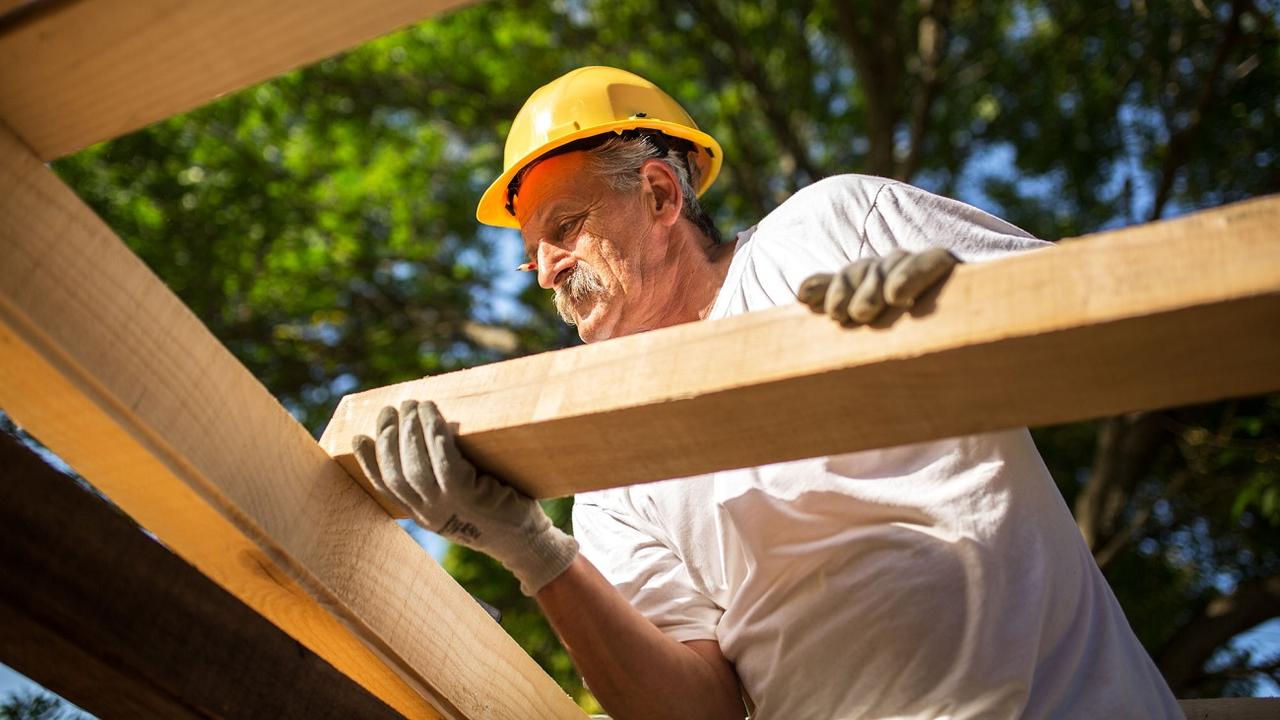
<point>863,289</point>
<point>416,461</point>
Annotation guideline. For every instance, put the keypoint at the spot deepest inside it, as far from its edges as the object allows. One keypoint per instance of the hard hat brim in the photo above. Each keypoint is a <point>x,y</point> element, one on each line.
<point>492,209</point>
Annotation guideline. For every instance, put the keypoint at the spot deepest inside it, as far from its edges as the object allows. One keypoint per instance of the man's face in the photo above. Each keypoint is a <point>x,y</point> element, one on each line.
<point>601,250</point>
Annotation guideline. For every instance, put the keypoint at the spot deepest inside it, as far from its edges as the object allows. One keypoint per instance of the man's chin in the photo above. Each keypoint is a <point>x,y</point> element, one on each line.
<point>594,326</point>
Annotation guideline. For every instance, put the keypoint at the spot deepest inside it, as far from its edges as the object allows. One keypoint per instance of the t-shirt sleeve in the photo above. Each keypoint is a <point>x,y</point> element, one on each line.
<point>912,219</point>
<point>645,570</point>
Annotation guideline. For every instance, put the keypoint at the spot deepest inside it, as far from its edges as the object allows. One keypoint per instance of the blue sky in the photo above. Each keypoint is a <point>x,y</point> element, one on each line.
<point>11,681</point>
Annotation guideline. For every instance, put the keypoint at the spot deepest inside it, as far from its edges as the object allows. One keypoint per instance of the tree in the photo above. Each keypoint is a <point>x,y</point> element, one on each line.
<point>30,705</point>
<point>322,223</point>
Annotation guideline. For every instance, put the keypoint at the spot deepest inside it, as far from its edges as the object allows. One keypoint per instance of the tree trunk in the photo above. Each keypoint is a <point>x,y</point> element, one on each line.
<point>1182,659</point>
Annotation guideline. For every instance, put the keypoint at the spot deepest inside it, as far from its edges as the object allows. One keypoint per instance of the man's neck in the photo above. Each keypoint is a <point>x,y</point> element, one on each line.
<point>719,256</point>
<point>700,267</point>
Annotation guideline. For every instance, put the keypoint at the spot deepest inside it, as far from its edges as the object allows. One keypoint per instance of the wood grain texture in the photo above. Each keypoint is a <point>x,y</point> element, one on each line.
<point>92,70</point>
<point>95,610</point>
<point>1157,315</point>
<point>1232,709</point>
<point>108,368</point>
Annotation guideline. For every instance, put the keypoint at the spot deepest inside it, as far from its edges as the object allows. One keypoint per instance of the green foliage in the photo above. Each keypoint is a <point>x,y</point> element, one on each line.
<point>322,223</point>
<point>36,706</point>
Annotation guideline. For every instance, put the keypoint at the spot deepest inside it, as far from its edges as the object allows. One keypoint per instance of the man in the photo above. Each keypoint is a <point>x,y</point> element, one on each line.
<point>943,579</point>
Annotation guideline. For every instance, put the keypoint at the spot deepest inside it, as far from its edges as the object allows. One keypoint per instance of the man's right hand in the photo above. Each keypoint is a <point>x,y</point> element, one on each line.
<point>416,461</point>
<point>635,669</point>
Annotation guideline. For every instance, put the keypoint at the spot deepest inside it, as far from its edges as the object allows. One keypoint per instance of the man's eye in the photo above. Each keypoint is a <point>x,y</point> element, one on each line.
<point>566,227</point>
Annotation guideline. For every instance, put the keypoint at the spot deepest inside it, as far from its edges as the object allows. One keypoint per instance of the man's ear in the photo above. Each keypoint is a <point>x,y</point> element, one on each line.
<point>663,196</point>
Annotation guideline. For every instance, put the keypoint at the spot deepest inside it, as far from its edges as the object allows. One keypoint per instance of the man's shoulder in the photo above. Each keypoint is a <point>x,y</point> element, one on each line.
<point>842,193</point>
<point>820,227</point>
<point>867,214</point>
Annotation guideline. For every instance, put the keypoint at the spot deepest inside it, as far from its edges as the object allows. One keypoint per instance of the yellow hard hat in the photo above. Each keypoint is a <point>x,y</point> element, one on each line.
<point>583,103</point>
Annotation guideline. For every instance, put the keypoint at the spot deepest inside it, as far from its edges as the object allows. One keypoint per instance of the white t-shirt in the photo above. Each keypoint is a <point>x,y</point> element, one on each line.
<point>938,580</point>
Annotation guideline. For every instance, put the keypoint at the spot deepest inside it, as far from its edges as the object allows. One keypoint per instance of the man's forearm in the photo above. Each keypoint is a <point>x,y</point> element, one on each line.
<point>634,669</point>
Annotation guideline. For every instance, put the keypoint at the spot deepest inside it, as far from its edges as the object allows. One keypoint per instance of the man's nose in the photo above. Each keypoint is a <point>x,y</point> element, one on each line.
<point>552,261</point>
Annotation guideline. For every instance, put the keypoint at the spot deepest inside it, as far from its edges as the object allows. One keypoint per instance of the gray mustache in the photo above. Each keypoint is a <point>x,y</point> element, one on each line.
<point>581,284</point>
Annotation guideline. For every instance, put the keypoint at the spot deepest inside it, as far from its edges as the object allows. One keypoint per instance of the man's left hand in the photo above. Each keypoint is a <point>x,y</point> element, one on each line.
<point>860,292</point>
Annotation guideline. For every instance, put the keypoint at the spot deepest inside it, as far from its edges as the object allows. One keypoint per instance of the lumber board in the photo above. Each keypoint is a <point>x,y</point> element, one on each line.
<point>107,367</point>
<point>1231,709</point>
<point>10,8</point>
<point>91,70</point>
<point>1157,315</point>
<point>95,610</point>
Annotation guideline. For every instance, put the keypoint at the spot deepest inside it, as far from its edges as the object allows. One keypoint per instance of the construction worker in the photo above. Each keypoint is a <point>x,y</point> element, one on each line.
<point>941,579</point>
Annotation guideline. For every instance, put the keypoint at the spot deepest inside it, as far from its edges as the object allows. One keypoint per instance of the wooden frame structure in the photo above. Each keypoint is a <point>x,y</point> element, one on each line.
<point>109,369</point>
<point>77,72</point>
<point>101,362</point>
<point>150,636</point>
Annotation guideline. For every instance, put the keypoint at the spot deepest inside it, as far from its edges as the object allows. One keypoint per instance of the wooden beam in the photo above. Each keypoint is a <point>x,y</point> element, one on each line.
<point>91,70</point>
<point>1231,709</point>
<point>109,369</point>
<point>1157,315</point>
<point>95,610</point>
<point>11,8</point>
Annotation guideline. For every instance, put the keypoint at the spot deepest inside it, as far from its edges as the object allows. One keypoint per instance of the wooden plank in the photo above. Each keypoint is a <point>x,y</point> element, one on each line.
<point>1164,314</point>
<point>92,70</point>
<point>1232,709</point>
<point>10,8</point>
<point>108,368</point>
<point>95,610</point>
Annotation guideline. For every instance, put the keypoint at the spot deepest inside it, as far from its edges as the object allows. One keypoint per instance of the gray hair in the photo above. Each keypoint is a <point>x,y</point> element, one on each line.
<point>618,160</point>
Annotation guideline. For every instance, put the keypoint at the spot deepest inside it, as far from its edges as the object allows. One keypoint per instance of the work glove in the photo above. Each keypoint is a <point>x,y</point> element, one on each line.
<point>861,291</point>
<point>416,461</point>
